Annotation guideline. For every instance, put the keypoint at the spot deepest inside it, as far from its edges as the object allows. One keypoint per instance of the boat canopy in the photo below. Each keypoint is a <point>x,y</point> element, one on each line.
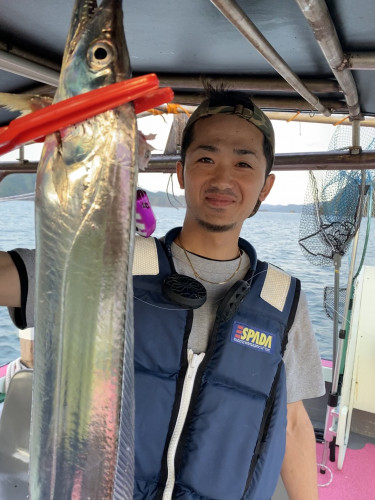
<point>306,60</point>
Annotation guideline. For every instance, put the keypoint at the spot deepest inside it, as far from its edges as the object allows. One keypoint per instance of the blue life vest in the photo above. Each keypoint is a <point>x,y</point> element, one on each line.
<point>233,441</point>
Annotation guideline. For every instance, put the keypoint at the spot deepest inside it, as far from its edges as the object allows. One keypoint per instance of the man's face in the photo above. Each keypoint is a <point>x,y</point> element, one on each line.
<point>224,172</point>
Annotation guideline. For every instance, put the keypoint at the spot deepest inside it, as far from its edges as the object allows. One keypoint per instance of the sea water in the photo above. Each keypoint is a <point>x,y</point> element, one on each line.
<point>274,236</point>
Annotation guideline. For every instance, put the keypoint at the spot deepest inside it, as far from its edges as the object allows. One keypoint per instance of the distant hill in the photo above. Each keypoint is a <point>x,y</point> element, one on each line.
<point>291,209</point>
<point>16,184</point>
<point>161,199</point>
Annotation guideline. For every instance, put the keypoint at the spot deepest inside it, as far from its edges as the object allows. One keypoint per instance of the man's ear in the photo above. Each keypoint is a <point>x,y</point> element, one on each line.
<point>267,187</point>
<point>180,174</point>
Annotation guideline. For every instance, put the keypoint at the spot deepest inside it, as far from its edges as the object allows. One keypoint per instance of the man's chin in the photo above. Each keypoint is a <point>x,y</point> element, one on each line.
<point>216,228</point>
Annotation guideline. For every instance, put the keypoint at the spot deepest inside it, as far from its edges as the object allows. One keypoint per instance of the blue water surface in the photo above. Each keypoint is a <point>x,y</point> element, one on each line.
<point>274,235</point>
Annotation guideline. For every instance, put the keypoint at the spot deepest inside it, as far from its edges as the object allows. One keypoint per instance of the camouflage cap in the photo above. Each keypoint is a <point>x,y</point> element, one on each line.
<point>252,114</point>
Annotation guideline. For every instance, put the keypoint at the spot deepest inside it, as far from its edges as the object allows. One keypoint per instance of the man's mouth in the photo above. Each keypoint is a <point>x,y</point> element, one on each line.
<point>220,201</point>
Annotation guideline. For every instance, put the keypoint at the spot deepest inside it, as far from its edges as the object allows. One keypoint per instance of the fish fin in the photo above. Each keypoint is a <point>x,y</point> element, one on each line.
<point>144,150</point>
<point>24,103</point>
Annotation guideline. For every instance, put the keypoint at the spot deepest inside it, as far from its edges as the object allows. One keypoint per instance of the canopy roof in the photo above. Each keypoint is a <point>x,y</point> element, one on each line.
<point>324,49</point>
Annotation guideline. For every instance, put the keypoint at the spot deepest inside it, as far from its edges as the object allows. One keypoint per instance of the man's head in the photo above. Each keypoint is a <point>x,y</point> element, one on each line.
<point>227,154</point>
<point>222,101</point>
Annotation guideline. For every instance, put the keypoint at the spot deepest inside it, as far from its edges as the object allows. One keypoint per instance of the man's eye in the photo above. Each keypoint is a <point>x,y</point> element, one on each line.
<point>205,159</point>
<point>243,164</point>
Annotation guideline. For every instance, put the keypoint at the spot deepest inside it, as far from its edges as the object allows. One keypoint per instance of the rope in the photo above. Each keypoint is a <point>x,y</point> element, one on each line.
<point>331,476</point>
<point>293,117</point>
<point>171,108</point>
<point>340,121</point>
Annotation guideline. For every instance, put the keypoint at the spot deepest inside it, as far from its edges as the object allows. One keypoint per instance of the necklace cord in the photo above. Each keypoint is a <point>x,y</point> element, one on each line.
<point>198,276</point>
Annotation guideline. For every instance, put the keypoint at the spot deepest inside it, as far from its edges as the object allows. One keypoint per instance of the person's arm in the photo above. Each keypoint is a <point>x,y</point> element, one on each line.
<point>299,469</point>
<point>10,289</point>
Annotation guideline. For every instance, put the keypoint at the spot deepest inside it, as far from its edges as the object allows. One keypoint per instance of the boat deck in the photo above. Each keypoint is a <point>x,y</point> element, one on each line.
<point>359,463</point>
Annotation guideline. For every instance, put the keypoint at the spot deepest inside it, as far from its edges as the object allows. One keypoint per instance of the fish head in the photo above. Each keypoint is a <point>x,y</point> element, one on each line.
<point>95,54</point>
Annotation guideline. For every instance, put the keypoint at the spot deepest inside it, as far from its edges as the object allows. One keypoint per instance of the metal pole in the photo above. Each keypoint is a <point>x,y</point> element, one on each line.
<point>246,83</point>
<point>360,60</point>
<point>320,20</point>
<point>28,69</point>
<point>337,264</point>
<point>330,428</point>
<point>283,163</point>
<point>356,133</point>
<point>272,102</point>
<point>342,333</point>
<point>241,21</point>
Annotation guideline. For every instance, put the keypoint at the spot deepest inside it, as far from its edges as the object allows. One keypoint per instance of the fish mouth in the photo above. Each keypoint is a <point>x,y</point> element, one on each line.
<point>96,53</point>
<point>86,11</point>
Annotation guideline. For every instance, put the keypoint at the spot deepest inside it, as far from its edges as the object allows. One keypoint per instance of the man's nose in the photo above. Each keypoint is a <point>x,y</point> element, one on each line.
<point>223,175</point>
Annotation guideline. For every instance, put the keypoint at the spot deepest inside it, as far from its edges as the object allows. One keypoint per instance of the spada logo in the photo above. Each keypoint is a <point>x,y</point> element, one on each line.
<point>251,337</point>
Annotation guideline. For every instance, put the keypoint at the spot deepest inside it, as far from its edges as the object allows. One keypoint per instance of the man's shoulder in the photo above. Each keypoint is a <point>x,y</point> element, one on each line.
<point>145,258</point>
<point>277,269</point>
<point>25,255</point>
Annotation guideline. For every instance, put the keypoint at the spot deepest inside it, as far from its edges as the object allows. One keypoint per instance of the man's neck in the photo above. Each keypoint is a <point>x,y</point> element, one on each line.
<point>210,244</point>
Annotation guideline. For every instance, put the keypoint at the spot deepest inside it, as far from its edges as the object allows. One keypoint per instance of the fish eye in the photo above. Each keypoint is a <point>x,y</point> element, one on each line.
<point>100,54</point>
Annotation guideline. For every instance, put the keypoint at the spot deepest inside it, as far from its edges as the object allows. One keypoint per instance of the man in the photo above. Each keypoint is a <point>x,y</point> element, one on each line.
<point>212,391</point>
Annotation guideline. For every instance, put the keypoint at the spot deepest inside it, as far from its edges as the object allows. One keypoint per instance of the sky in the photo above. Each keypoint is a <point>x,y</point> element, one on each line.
<point>292,137</point>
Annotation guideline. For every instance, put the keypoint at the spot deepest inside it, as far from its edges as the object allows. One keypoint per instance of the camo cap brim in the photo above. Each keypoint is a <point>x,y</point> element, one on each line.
<point>254,116</point>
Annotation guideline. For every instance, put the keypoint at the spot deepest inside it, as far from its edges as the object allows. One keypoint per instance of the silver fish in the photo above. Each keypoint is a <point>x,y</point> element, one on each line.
<point>83,380</point>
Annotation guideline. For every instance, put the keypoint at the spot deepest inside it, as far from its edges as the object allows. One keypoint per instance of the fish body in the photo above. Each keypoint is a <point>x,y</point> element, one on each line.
<point>85,195</point>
